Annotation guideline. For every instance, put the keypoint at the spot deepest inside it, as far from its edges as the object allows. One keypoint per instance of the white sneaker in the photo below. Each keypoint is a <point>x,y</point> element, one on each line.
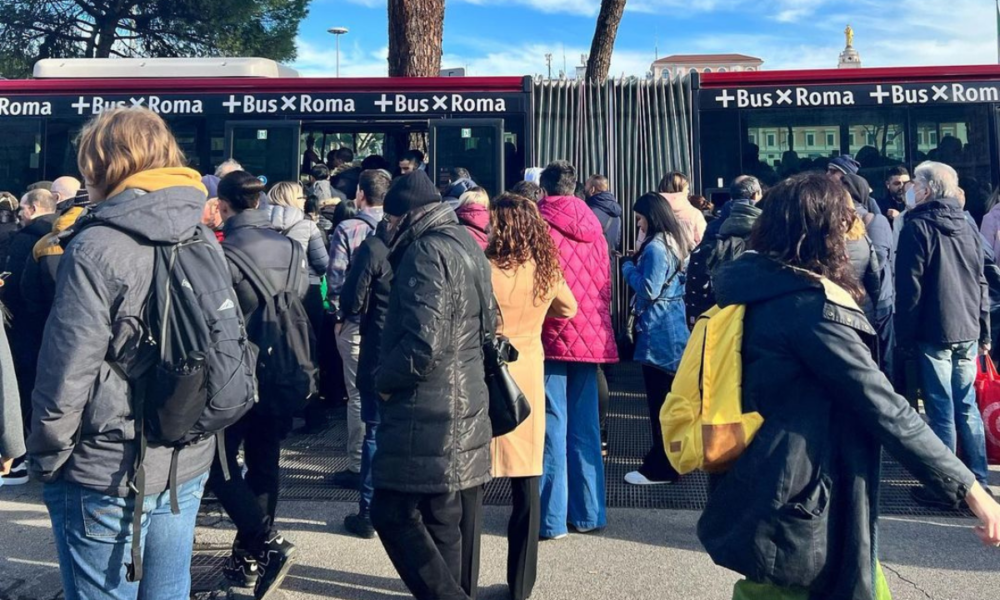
<point>637,478</point>
<point>18,474</point>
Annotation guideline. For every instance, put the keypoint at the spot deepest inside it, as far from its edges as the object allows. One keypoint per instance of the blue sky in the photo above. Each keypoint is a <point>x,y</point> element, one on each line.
<point>511,37</point>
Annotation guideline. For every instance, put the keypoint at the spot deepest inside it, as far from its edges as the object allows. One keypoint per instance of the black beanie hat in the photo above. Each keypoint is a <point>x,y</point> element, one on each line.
<point>410,191</point>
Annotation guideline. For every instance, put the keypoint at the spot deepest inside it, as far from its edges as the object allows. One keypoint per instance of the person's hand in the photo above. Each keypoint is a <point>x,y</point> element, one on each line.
<point>987,511</point>
<point>893,213</point>
<point>384,396</point>
<point>984,349</point>
<point>337,328</point>
<point>5,465</point>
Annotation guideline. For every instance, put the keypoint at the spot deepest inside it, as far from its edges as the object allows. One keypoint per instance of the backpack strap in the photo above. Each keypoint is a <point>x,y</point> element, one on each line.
<point>367,218</point>
<point>246,265</point>
<point>294,275</point>
<point>137,486</point>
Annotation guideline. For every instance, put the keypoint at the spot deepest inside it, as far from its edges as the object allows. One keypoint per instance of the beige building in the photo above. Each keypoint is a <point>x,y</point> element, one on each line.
<point>682,64</point>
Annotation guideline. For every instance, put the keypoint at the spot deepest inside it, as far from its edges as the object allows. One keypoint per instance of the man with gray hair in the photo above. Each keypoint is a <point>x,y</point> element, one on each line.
<point>226,167</point>
<point>725,240</point>
<point>942,313</point>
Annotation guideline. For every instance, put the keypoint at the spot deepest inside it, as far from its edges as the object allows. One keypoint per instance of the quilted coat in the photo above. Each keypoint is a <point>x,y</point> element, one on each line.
<point>435,433</point>
<point>583,255</point>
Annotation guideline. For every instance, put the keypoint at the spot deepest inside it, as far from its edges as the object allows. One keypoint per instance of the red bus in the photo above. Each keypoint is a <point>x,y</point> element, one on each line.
<point>776,123</point>
<point>265,116</point>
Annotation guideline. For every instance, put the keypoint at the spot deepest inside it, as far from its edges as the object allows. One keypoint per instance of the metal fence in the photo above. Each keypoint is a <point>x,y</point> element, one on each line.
<point>632,131</point>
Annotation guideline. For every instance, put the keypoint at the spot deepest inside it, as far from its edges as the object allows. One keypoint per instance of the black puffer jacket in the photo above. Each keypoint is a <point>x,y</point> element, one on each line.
<point>366,293</point>
<point>21,245</point>
<point>941,291</point>
<point>251,231</point>
<point>435,432</point>
<point>799,507</point>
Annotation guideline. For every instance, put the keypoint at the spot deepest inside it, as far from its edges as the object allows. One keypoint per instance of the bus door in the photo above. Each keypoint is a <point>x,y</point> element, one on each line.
<point>476,145</point>
<point>267,149</point>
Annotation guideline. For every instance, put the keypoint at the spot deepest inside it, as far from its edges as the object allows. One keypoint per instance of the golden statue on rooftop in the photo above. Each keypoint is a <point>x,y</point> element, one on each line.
<point>849,32</point>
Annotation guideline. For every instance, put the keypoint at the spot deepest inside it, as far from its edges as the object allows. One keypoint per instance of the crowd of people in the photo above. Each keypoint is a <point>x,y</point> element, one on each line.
<point>141,381</point>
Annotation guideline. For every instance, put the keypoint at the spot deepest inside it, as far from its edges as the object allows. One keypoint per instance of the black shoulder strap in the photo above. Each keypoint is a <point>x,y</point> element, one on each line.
<point>294,274</point>
<point>246,265</point>
<point>367,218</point>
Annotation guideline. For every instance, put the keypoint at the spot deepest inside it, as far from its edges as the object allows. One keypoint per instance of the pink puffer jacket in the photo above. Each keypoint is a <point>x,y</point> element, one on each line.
<point>583,256</point>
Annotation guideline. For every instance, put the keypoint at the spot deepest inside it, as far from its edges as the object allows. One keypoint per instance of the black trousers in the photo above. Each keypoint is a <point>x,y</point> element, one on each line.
<point>522,537</point>
<point>432,540</point>
<point>251,501</point>
<point>656,466</point>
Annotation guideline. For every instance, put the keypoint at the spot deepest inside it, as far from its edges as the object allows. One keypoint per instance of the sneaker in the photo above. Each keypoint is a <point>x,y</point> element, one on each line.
<point>345,479</point>
<point>637,478</point>
<point>241,568</point>
<point>273,563</point>
<point>924,496</point>
<point>359,525</point>
<point>586,529</point>
<point>558,536</point>
<point>605,449</point>
<point>18,473</point>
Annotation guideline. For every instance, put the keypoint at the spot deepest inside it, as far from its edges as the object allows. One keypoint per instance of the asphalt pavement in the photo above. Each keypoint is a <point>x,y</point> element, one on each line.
<point>644,553</point>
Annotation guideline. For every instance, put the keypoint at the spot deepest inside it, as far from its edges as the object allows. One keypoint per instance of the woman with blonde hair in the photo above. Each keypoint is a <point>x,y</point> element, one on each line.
<point>529,287</point>
<point>83,434</point>
<point>287,214</point>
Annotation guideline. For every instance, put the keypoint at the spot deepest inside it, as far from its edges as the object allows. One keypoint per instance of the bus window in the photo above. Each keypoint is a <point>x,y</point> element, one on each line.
<point>60,147</point>
<point>877,140</point>
<point>267,149</point>
<point>20,154</point>
<point>476,145</point>
<point>958,136</point>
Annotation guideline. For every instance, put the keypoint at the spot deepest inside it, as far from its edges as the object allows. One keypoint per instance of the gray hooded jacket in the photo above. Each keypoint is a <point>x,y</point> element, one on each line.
<point>293,223</point>
<point>82,425</point>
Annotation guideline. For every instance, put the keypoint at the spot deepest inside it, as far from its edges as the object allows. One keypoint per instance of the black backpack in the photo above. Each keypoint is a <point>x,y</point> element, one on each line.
<point>193,370</point>
<point>287,376</point>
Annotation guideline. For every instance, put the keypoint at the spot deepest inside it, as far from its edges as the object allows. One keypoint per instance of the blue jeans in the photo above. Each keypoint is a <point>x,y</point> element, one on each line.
<point>93,534</point>
<point>369,414</point>
<point>948,373</point>
<point>572,485</point>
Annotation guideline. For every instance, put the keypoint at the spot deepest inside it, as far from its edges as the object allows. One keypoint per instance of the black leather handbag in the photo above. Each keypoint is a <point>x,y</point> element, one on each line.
<point>508,405</point>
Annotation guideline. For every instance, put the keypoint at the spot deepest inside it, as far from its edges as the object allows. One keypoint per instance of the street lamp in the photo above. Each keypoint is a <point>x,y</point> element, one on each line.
<point>337,32</point>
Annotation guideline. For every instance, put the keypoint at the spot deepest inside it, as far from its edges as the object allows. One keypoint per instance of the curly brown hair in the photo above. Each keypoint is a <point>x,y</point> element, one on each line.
<point>804,224</point>
<point>518,234</point>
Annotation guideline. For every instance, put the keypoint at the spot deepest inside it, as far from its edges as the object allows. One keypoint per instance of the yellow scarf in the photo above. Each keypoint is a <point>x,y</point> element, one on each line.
<point>158,179</point>
<point>49,244</point>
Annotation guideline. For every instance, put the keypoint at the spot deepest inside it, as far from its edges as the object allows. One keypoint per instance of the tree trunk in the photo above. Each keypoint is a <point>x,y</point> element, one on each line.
<point>416,31</point>
<point>599,62</point>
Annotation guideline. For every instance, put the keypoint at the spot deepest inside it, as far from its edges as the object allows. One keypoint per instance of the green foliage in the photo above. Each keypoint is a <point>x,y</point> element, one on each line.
<point>34,29</point>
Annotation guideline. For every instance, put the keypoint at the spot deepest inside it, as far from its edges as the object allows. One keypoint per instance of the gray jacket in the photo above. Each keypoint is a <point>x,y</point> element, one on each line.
<point>82,427</point>
<point>293,223</point>
<point>11,427</point>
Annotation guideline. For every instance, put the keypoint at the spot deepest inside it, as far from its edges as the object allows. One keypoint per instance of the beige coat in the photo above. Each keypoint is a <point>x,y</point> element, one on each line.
<point>519,453</point>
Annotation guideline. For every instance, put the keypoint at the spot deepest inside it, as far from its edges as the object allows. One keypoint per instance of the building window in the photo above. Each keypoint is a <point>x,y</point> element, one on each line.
<point>753,138</point>
<point>933,135</point>
<point>830,140</point>
<point>810,139</point>
<point>770,140</point>
<point>693,71</point>
<point>708,69</point>
<point>722,69</point>
<point>920,138</point>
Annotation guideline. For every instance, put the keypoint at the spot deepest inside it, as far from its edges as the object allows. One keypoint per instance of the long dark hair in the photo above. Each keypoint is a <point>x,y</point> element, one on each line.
<point>804,224</point>
<point>519,234</point>
<point>660,219</point>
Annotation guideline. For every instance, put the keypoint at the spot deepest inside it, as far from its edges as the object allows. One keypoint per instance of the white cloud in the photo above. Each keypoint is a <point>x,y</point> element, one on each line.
<point>315,60</point>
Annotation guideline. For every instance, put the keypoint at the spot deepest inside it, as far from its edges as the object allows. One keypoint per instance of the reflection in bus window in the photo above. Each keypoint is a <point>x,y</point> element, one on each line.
<point>782,143</point>
<point>958,136</point>
<point>20,155</point>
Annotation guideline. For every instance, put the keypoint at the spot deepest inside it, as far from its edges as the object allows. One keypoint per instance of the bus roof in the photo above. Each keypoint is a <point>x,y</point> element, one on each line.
<point>159,68</point>
<point>848,76</point>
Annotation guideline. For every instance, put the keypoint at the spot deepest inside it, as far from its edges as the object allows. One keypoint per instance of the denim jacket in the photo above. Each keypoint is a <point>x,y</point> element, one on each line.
<point>657,278</point>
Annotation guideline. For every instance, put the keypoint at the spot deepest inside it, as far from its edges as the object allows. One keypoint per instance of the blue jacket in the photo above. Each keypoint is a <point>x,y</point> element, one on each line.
<point>661,333</point>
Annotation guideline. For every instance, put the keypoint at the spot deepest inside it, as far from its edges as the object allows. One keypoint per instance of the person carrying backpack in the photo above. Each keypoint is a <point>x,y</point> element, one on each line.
<point>269,273</point>
<point>725,240</point>
<point>344,243</point>
<point>794,508</point>
<point>136,385</point>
